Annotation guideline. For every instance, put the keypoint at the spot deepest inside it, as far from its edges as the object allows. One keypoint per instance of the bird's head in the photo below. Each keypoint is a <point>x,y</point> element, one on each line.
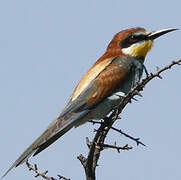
<point>135,42</point>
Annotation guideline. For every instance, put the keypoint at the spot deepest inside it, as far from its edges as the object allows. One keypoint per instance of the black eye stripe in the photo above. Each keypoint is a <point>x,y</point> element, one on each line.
<point>131,39</point>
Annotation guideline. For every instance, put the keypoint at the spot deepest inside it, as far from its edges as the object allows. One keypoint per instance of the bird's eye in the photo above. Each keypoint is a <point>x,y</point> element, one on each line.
<point>132,38</point>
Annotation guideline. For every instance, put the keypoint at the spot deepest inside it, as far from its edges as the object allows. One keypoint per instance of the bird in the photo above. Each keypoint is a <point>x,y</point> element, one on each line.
<point>102,87</point>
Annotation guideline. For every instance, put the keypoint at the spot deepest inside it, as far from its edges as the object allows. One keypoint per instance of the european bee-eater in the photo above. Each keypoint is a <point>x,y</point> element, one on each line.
<point>101,88</point>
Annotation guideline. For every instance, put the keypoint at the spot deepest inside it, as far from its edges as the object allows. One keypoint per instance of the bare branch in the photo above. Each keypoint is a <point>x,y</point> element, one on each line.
<point>43,174</point>
<point>62,177</point>
<point>95,122</point>
<point>118,148</point>
<point>38,173</point>
<point>128,136</point>
<point>117,130</point>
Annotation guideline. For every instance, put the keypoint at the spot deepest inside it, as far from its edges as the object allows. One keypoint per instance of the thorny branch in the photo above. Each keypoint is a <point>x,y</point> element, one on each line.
<point>90,162</point>
<point>118,148</point>
<point>106,146</point>
<point>43,174</point>
<point>137,140</point>
<point>128,136</point>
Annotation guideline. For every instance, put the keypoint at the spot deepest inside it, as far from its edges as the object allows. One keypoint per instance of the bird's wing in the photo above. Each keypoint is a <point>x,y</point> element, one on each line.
<point>107,80</point>
<point>88,92</point>
<point>100,82</point>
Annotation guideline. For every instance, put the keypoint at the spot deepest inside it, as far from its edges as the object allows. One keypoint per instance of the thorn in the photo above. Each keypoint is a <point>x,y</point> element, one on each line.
<point>134,99</point>
<point>138,93</point>
<point>139,142</point>
<point>130,101</point>
<point>159,76</point>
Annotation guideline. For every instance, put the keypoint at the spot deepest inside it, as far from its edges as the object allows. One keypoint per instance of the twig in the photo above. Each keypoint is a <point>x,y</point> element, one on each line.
<point>118,130</point>
<point>62,177</point>
<point>105,146</point>
<point>118,148</point>
<point>38,173</point>
<point>82,159</point>
<point>128,136</point>
<point>43,174</point>
<point>95,122</point>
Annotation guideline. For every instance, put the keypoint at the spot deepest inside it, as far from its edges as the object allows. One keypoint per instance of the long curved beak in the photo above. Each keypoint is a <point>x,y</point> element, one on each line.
<point>155,34</point>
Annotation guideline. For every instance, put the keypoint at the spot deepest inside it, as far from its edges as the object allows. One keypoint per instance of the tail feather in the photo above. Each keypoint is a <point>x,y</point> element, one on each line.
<point>55,130</point>
<point>52,140</point>
<point>26,154</point>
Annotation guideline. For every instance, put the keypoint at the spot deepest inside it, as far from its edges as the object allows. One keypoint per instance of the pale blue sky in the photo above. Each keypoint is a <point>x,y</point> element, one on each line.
<point>45,48</point>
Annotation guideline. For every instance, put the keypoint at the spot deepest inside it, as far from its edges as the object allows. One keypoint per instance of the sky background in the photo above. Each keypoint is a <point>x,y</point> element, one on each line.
<point>45,48</point>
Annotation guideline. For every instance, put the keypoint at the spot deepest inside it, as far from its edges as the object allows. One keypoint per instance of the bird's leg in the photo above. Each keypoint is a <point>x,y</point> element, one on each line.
<point>146,72</point>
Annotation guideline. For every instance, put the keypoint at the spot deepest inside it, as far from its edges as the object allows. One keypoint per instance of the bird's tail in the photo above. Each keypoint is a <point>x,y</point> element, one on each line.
<point>55,130</point>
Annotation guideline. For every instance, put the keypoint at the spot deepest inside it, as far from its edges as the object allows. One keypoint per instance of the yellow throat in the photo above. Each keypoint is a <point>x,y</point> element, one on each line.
<point>139,49</point>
